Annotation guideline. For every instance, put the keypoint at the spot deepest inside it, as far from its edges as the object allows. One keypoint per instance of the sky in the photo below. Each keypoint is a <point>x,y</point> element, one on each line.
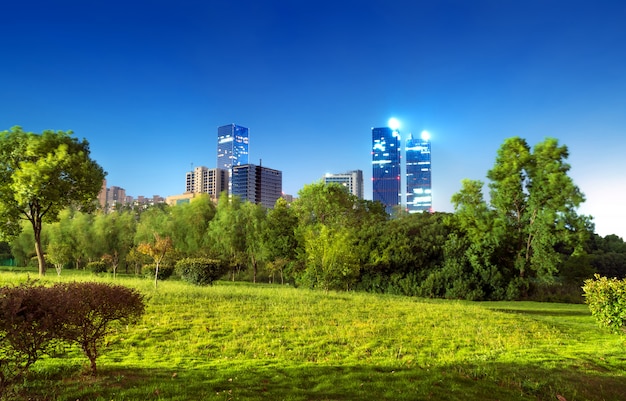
<point>148,82</point>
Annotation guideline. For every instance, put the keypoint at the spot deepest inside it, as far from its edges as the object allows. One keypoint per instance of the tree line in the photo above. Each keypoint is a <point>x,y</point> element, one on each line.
<point>526,237</point>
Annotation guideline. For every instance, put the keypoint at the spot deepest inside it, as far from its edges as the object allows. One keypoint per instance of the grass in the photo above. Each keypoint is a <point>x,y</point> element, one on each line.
<point>237,341</point>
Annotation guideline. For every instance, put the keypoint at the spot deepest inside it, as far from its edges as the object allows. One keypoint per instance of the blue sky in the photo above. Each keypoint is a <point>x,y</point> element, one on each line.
<point>149,82</point>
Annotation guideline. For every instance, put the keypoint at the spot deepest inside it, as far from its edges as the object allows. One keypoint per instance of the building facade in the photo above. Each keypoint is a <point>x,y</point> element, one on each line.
<point>207,181</point>
<point>418,174</point>
<point>386,181</point>
<point>351,180</point>
<point>257,184</point>
<point>232,146</point>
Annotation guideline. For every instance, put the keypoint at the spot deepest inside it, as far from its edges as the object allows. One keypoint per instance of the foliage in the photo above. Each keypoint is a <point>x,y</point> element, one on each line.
<point>29,316</point>
<point>607,301</point>
<point>157,251</point>
<point>90,310</point>
<point>200,271</point>
<point>165,271</point>
<point>97,266</point>
<point>41,174</point>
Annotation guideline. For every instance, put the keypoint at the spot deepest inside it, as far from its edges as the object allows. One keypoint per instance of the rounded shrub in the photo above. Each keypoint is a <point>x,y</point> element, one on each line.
<point>200,271</point>
<point>165,271</point>
<point>97,266</point>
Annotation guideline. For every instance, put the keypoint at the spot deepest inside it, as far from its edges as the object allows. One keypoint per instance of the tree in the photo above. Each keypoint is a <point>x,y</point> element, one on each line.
<point>40,174</point>
<point>190,222</point>
<point>531,218</point>
<point>156,250</point>
<point>114,233</point>
<point>279,238</point>
<point>226,233</point>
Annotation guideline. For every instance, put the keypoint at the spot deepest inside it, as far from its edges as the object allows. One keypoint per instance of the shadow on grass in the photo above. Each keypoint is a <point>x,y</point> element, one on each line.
<point>270,381</point>
<point>546,312</point>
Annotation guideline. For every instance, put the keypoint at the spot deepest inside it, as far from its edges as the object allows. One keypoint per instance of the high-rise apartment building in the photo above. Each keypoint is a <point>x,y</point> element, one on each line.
<point>115,196</point>
<point>257,184</point>
<point>352,180</point>
<point>205,180</point>
<point>386,167</point>
<point>418,174</point>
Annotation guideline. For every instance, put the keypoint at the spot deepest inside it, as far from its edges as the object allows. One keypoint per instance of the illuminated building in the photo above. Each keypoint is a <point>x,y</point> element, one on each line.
<point>232,147</point>
<point>386,165</point>
<point>418,174</point>
<point>351,180</point>
<point>257,184</point>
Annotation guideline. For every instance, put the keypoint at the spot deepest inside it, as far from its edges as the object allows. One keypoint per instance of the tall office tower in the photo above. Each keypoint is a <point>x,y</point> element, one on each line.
<point>209,181</point>
<point>418,174</point>
<point>232,146</point>
<point>257,184</point>
<point>386,167</point>
<point>352,180</point>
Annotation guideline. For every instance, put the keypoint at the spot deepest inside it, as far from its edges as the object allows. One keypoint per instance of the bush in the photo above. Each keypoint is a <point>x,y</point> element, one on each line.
<point>28,329</point>
<point>200,271</point>
<point>89,310</point>
<point>34,319</point>
<point>165,271</point>
<point>97,266</point>
<point>607,301</point>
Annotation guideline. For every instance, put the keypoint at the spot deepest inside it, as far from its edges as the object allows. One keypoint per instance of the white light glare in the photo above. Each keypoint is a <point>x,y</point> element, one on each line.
<point>425,135</point>
<point>393,123</point>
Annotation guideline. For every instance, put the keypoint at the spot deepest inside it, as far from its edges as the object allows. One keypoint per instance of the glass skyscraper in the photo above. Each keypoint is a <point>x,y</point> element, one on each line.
<point>418,174</point>
<point>386,167</point>
<point>232,146</point>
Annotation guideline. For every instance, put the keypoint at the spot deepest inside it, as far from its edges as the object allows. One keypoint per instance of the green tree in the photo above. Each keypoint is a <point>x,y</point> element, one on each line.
<point>252,220</point>
<point>531,219</point>
<point>114,232</point>
<point>190,223</point>
<point>41,174</point>
<point>279,238</point>
<point>59,247</point>
<point>226,234</point>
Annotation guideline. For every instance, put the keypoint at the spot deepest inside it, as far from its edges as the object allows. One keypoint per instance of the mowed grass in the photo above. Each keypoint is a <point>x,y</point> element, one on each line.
<point>235,341</point>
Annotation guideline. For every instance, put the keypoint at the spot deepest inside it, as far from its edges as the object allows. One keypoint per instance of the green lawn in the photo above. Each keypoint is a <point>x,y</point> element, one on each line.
<point>237,341</point>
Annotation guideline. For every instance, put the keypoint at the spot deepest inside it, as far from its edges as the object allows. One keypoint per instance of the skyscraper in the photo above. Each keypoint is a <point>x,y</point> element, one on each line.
<point>418,174</point>
<point>257,184</point>
<point>386,166</point>
<point>232,146</point>
<point>352,180</point>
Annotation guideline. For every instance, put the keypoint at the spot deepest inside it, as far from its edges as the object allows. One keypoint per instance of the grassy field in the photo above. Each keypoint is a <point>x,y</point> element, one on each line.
<point>238,341</point>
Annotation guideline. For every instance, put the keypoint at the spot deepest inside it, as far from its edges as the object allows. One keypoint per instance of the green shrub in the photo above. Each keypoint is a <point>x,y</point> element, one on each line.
<point>97,266</point>
<point>200,271</point>
<point>607,301</point>
<point>165,271</point>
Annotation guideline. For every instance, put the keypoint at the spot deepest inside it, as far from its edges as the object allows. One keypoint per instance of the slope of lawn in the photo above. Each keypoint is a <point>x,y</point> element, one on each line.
<point>236,341</point>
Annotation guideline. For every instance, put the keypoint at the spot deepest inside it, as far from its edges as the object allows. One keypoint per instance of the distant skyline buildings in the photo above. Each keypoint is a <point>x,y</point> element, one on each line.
<point>352,180</point>
<point>418,173</point>
<point>386,156</point>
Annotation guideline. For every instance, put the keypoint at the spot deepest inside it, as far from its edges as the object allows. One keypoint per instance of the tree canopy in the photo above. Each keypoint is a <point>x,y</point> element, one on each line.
<point>41,174</point>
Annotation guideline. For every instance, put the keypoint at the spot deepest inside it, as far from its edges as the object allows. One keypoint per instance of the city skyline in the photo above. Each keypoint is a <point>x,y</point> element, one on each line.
<point>148,84</point>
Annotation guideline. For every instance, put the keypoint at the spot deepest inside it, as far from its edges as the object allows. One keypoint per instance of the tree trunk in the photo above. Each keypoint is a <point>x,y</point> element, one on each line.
<point>40,259</point>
